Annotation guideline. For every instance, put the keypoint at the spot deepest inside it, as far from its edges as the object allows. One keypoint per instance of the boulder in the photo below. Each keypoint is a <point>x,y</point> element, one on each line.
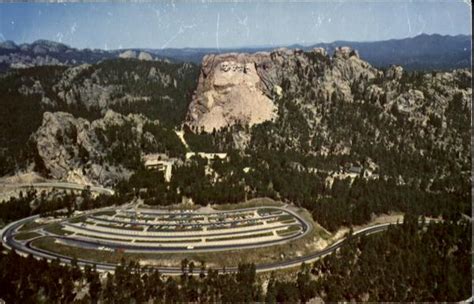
<point>145,56</point>
<point>128,54</point>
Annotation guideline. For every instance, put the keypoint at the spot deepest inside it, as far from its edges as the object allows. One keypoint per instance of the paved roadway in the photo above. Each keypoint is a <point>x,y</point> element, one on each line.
<point>8,240</point>
<point>26,248</point>
<point>60,185</point>
<point>177,271</point>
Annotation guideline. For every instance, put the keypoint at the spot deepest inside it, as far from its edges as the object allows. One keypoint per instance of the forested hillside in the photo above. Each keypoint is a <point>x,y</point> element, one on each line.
<point>347,141</point>
<point>409,262</point>
<point>158,90</point>
<point>405,133</point>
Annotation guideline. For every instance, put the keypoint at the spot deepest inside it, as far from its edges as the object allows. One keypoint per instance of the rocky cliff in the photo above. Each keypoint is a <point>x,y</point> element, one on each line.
<point>330,108</point>
<point>242,88</point>
<point>230,90</point>
<point>76,150</point>
<point>335,106</point>
<point>44,52</point>
<point>158,90</point>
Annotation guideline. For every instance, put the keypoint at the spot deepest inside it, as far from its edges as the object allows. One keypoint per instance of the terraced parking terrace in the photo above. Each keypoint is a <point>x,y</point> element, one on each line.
<point>260,231</point>
<point>145,230</point>
<point>158,234</point>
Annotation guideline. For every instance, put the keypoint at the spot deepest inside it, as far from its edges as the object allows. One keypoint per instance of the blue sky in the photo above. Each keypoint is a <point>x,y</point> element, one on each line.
<point>197,24</point>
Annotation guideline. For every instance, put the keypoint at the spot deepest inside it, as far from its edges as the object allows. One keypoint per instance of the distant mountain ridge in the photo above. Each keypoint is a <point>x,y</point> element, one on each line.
<point>417,53</point>
<point>45,52</point>
<point>422,52</point>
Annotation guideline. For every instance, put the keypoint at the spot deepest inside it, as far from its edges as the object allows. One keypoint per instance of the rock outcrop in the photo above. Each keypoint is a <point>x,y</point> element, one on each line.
<point>145,56</point>
<point>242,88</point>
<point>130,54</point>
<point>72,150</point>
<point>230,91</point>
<point>323,101</point>
<point>44,52</point>
<point>94,87</point>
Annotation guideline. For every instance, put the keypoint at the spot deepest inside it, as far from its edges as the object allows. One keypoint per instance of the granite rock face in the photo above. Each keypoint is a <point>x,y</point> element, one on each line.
<point>241,88</point>
<point>71,149</point>
<point>230,91</point>
<point>302,94</point>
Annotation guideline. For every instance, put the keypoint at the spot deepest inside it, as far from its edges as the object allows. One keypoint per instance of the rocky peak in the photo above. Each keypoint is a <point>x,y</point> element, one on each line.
<point>131,54</point>
<point>241,88</point>
<point>128,54</point>
<point>394,72</point>
<point>47,46</point>
<point>71,149</point>
<point>345,52</point>
<point>8,45</point>
<point>320,50</point>
<point>145,56</point>
<point>230,91</point>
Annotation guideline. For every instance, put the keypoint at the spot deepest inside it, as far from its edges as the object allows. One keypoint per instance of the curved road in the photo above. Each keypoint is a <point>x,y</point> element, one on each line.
<point>7,235</point>
<point>177,271</point>
<point>26,248</point>
<point>60,185</point>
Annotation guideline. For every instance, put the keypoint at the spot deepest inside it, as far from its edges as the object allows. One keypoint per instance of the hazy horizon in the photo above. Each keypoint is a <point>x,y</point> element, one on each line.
<point>233,48</point>
<point>227,25</point>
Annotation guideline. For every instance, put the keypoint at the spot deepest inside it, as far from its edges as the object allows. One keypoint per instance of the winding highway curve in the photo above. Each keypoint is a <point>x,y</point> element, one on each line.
<point>27,248</point>
<point>60,185</point>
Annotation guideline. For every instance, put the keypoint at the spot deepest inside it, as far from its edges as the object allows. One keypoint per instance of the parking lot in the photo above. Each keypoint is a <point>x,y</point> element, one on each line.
<point>142,230</point>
